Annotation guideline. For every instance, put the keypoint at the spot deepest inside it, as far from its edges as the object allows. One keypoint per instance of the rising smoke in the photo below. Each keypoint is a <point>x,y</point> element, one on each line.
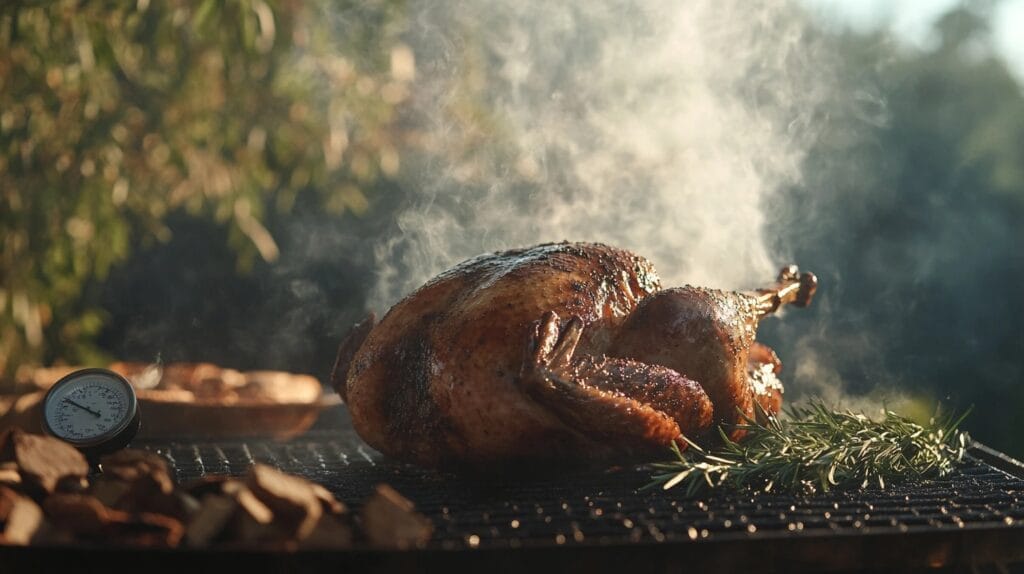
<point>663,127</point>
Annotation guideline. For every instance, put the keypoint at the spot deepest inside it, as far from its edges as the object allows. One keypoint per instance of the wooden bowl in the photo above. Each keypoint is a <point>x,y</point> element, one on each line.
<point>195,400</point>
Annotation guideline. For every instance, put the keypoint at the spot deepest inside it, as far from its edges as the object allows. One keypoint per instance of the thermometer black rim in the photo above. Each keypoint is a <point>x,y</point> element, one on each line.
<point>118,436</point>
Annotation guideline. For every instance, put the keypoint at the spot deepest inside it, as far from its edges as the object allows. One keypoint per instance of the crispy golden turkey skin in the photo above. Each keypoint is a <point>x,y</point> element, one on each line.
<point>564,353</point>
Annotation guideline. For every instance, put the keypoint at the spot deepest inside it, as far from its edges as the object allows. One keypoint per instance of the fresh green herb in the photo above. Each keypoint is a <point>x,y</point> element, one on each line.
<point>818,448</point>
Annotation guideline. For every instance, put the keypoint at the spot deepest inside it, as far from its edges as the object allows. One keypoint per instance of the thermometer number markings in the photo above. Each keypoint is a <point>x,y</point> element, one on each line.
<point>89,411</point>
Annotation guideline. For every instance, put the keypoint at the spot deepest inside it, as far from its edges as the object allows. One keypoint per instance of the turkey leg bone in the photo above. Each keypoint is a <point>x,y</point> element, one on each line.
<point>792,287</point>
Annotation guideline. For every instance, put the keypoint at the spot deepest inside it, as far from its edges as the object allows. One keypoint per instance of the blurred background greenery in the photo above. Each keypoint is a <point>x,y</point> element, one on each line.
<point>196,181</point>
<point>118,121</point>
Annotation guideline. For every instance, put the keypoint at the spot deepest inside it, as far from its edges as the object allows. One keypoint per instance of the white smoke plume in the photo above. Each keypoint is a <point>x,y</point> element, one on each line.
<point>660,126</point>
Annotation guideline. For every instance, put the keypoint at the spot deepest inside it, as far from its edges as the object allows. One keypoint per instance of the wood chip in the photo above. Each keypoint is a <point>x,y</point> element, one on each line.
<point>330,504</point>
<point>72,484</point>
<point>25,412</point>
<point>131,464</point>
<point>136,502</point>
<point>109,491</point>
<point>149,529</point>
<point>148,495</point>
<point>42,460</point>
<point>21,518</point>
<point>253,506</point>
<point>390,520</point>
<point>89,519</point>
<point>81,514</point>
<point>294,501</point>
<point>9,474</point>
<point>332,532</point>
<point>208,484</point>
<point>216,513</point>
<point>150,486</point>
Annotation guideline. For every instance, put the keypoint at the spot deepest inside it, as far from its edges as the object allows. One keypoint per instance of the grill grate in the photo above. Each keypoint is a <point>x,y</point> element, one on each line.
<point>605,508</point>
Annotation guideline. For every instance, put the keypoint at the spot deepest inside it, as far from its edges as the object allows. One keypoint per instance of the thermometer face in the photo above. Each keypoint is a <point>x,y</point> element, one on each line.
<point>92,408</point>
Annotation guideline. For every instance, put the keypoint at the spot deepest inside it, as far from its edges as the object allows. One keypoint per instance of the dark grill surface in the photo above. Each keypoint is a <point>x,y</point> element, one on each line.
<point>605,508</point>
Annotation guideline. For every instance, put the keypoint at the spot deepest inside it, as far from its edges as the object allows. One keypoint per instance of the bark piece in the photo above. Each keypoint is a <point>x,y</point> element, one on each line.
<point>72,485</point>
<point>332,532</point>
<point>294,501</point>
<point>87,518</point>
<point>390,520</point>
<point>42,460</point>
<point>24,412</point>
<point>150,529</point>
<point>208,484</point>
<point>253,506</point>
<point>81,514</point>
<point>132,464</point>
<point>9,474</point>
<point>331,505</point>
<point>109,491</point>
<point>212,520</point>
<point>255,523</point>
<point>150,494</point>
<point>147,485</point>
<point>22,519</point>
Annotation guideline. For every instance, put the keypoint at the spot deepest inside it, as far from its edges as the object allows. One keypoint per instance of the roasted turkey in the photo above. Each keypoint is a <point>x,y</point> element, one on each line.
<point>565,353</point>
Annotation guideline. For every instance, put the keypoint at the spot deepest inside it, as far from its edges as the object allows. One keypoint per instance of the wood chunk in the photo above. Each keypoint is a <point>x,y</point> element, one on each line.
<point>72,484</point>
<point>208,484</point>
<point>390,520</point>
<point>216,513</point>
<point>142,461</point>
<point>132,464</point>
<point>6,403</point>
<point>109,491</point>
<point>330,504</point>
<point>188,503</point>
<point>150,487</point>
<point>296,506</point>
<point>332,532</point>
<point>25,413</point>
<point>256,523</point>
<point>149,529</point>
<point>253,506</point>
<point>7,446</point>
<point>247,532</point>
<point>147,495</point>
<point>43,460</point>
<point>7,498</point>
<point>9,474</point>
<point>89,519</point>
<point>81,514</point>
<point>22,519</point>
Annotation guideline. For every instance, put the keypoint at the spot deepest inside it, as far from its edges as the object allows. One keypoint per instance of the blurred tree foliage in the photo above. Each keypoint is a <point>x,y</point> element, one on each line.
<point>115,114</point>
<point>914,224</point>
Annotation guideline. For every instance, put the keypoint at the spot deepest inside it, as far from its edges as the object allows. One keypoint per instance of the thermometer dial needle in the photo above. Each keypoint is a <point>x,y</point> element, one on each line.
<point>84,408</point>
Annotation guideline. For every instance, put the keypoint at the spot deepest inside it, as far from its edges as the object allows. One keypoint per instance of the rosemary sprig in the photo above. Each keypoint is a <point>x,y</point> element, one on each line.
<point>818,448</point>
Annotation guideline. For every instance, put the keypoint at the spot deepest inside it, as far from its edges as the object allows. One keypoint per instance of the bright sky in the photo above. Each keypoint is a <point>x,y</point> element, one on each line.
<point>912,20</point>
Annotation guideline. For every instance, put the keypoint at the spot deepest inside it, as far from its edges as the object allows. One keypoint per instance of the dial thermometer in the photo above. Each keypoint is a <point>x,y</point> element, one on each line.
<point>93,409</point>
